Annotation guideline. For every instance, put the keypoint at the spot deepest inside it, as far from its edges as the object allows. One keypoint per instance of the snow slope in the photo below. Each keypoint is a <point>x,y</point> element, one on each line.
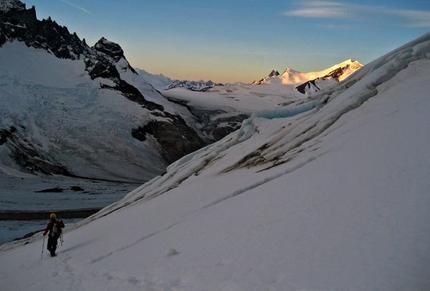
<point>329,195</point>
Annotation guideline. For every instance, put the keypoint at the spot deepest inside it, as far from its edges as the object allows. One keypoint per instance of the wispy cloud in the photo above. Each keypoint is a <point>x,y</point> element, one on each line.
<point>415,18</point>
<point>340,10</point>
<point>77,7</point>
<point>321,9</point>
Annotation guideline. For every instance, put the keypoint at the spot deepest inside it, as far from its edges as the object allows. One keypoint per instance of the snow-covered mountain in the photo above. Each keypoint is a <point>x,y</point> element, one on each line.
<point>311,82</point>
<point>306,83</point>
<point>322,193</point>
<point>76,110</point>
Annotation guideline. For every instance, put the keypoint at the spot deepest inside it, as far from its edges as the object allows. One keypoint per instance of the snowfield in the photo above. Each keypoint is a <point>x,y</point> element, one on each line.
<point>331,193</point>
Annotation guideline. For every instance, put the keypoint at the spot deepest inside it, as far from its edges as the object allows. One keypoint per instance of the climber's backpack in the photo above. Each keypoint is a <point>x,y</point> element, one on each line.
<point>56,228</point>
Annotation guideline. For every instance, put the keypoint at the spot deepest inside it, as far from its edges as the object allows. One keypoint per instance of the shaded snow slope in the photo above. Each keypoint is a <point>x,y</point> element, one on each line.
<point>331,195</point>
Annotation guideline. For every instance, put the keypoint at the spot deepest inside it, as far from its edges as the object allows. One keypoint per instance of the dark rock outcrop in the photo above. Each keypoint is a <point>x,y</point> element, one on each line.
<point>175,138</point>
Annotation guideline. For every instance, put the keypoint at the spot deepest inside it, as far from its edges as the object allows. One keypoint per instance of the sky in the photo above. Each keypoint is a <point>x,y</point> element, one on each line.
<point>242,40</point>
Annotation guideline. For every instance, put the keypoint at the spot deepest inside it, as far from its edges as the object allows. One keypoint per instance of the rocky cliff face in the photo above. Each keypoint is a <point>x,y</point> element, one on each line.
<point>157,129</point>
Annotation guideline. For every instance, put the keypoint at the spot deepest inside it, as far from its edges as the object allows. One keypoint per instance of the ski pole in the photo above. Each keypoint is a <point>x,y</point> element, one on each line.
<point>43,247</point>
<point>61,239</point>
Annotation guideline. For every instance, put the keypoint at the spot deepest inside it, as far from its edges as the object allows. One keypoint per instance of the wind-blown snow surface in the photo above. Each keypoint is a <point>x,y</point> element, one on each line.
<point>332,198</point>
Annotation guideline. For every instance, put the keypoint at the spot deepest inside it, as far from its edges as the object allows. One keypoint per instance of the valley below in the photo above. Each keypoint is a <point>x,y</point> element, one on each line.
<point>26,202</point>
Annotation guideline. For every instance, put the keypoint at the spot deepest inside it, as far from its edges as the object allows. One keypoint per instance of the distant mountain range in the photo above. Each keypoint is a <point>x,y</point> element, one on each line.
<point>200,86</point>
<point>306,83</point>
